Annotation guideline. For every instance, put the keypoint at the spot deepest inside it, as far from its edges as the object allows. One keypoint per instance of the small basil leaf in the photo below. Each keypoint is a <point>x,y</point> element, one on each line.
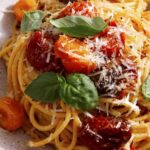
<point>80,92</point>
<point>79,26</point>
<point>32,21</point>
<point>45,87</point>
<point>146,88</point>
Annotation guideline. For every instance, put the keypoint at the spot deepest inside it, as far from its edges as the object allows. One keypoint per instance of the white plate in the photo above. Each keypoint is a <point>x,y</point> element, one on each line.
<point>17,140</point>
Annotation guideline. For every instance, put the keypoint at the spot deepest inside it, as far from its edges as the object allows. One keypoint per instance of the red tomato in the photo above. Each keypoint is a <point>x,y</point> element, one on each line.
<point>111,42</point>
<point>102,132</point>
<point>74,54</point>
<point>108,46</point>
<point>84,8</point>
<point>11,114</point>
<point>40,53</point>
<point>119,72</point>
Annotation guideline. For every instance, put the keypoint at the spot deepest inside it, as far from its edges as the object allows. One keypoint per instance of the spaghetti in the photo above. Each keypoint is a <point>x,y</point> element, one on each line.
<point>58,123</point>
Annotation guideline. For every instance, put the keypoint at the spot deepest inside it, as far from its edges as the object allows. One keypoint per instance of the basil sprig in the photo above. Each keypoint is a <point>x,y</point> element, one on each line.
<point>32,21</point>
<point>76,90</point>
<point>79,26</point>
<point>146,88</point>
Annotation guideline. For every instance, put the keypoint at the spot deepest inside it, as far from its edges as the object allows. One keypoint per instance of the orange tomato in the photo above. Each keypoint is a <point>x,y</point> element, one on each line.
<point>74,54</point>
<point>11,114</point>
<point>23,6</point>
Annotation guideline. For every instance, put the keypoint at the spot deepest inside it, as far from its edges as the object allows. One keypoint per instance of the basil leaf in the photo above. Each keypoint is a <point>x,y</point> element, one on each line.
<point>32,20</point>
<point>146,88</point>
<point>80,92</point>
<point>79,26</point>
<point>45,87</point>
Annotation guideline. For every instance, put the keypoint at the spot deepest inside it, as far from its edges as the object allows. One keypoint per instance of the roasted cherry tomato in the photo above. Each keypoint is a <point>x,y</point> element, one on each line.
<point>116,78</point>
<point>111,42</point>
<point>11,114</point>
<point>102,132</point>
<point>23,6</point>
<point>115,74</point>
<point>74,54</point>
<point>40,53</point>
<point>84,8</point>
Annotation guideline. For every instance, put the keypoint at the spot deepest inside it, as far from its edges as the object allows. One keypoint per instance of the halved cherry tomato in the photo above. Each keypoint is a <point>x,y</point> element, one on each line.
<point>111,41</point>
<point>74,54</point>
<point>84,8</point>
<point>23,6</point>
<point>11,114</point>
<point>115,42</point>
<point>110,73</point>
<point>40,54</point>
<point>102,132</point>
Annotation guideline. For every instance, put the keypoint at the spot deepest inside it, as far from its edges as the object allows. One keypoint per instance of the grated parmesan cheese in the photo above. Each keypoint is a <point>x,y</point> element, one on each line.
<point>88,114</point>
<point>48,57</point>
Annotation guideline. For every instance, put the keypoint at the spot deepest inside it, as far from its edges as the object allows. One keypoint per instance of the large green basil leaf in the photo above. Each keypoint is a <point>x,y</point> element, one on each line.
<point>45,87</point>
<point>146,88</point>
<point>79,26</point>
<point>80,92</point>
<point>32,20</point>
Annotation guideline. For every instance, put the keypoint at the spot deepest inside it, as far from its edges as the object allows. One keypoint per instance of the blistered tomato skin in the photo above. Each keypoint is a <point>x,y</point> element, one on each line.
<point>102,132</point>
<point>84,8</point>
<point>39,52</point>
<point>11,114</point>
<point>74,54</point>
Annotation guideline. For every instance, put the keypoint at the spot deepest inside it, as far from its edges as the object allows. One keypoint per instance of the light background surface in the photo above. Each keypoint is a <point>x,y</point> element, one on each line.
<point>17,140</point>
